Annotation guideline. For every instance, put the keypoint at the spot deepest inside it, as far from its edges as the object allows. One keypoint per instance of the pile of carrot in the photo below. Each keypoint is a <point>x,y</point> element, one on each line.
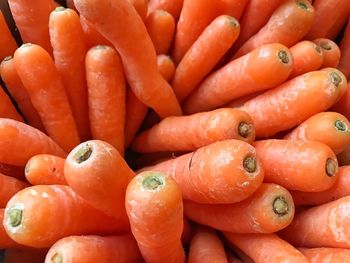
<point>172,131</point>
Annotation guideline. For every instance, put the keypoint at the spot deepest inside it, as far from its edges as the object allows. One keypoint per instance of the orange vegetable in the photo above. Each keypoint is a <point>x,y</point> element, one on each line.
<point>344,46</point>
<point>320,255</point>
<point>7,109</point>
<point>166,67</point>
<point>92,36</point>
<point>141,7</point>
<point>24,255</point>
<point>8,44</point>
<point>174,7</point>
<point>5,240</point>
<point>9,186</point>
<point>331,52</point>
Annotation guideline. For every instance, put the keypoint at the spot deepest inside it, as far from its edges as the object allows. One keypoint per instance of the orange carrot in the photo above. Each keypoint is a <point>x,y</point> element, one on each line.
<point>331,52</point>
<point>188,133</point>
<point>47,94</point>
<point>19,93</point>
<point>24,255</point>
<point>214,41</point>
<point>70,4</point>
<point>343,105</point>
<point>166,67</point>
<point>344,46</point>
<point>344,156</point>
<point>261,69</point>
<point>7,109</point>
<point>92,249</point>
<point>186,232</point>
<point>141,7</point>
<point>323,255</point>
<point>92,36</point>
<point>139,61</point>
<point>174,7</point>
<point>161,27</point>
<point>8,44</point>
<point>268,210</point>
<point>19,142</point>
<point>156,228</point>
<point>5,240</point>
<point>294,101</point>
<point>106,95</point>
<point>12,170</point>
<point>287,25</point>
<point>69,49</point>
<point>40,215</point>
<point>8,187</point>
<point>266,248</point>
<point>45,169</point>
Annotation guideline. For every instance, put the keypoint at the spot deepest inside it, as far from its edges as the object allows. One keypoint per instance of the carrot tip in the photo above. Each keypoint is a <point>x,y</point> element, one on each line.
<point>283,56</point>
<point>249,164</point>
<point>83,153</point>
<point>56,258</point>
<point>302,5</point>
<point>233,22</point>
<point>154,181</point>
<point>340,126</point>
<point>331,167</point>
<point>280,206</point>
<point>244,129</point>
<point>14,216</point>
<point>335,78</point>
<point>26,169</point>
<point>60,9</point>
<point>100,47</point>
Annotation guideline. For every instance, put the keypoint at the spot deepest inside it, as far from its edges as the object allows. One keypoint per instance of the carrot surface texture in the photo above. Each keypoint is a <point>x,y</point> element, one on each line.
<point>7,109</point>
<point>9,186</point>
<point>8,44</point>
<point>92,36</point>
<point>331,52</point>
<point>344,46</point>
<point>166,67</point>
<point>324,255</point>
<point>172,6</point>
<point>5,240</point>
<point>141,7</point>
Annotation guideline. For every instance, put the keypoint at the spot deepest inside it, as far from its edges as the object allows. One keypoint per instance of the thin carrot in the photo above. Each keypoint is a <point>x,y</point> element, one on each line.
<point>261,69</point>
<point>156,228</point>
<point>344,46</point>
<point>24,255</point>
<point>5,240</point>
<point>214,41</point>
<point>19,142</point>
<point>287,25</point>
<point>331,52</point>
<point>92,36</point>
<point>69,49</point>
<point>174,7</point>
<point>141,7</point>
<point>47,94</point>
<point>266,248</point>
<point>7,109</point>
<point>188,133</point>
<point>12,170</point>
<point>40,215</point>
<point>106,95</point>
<point>267,210</point>
<point>166,67</point>
<point>9,186</point>
<point>294,101</point>
<point>341,88</point>
<point>206,247</point>
<point>92,249</point>
<point>8,44</point>
<point>324,255</point>
<point>45,169</point>
<point>139,61</point>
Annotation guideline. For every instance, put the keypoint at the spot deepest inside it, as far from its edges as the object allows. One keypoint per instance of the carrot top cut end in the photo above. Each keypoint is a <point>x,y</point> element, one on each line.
<point>325,45</point>
<point>233,21</point>
<point>335,78</point>
<point>26,45</point>
<point>56,258</point>
<point>27,169</point>
<point>59,9</point>
<point>83,153</point>
<point>154,181</point>
<point>14,216</point>
<point>340,126</point>
<point>280,206</point>
<point>302,5</point>
<point>318,49</point>
<point>8,58</point>
<point>249,164</point>
<point>244,129</point>
<point>283,56</point>
<point>331,167</point>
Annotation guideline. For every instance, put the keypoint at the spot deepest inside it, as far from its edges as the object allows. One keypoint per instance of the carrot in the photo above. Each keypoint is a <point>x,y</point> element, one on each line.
<point>45,169</point>
<point>344,46</point>
<point>206,247</point>
<point>32,21</point>
<point>214,41</point>
<point>8,44</point>
<point>266,248</point>
<point>261,69</point>
<point>343,105</point>
<point>141,7</point>
<point>24,255</point>
<point>40,215</point>
<point>91,249</point>
<point>323,255</point>
<point>321,226</point>
<point>139,61</point>
<point>188,133</point>
<point>307,56</point>
<point>331,52</point>
<point>173,7</point>
<point>47,94</point>
<point>288,24</point>
<point>166,67</point>
<point>92,36</point>
<point>8,187</point>
<point>97,159</point>
<point>196,15</point>
<point>19,142</point>
<point>344,156</point>
<point>7,109</point>
<point>106,95</point>
<point>328,13</point>
<point>161,27</point>
<point>187,232</point>
<point>5,240</point>
<point>294,101</point>
<point>69,49</point>
<point>156,228</point>
<point>70,4</point>
<point>12,170</point>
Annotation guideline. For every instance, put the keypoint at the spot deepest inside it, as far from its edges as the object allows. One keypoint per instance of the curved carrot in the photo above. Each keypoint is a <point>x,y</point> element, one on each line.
<point>261,69</point>
<point>47,94</point>
<point>40,215</point>
<point>92,249</point>
<point>5,240</point>
<point>344,46</point>
<point>188,133</point>
<point>69,49</point>
<point>204,177</point>
<point>267,210</point>
<point>8,44</point>
<point>141,7</point>
<point>331,52</point>
<point>92,36</point>
<point>139,61</point>
<point>12,170</point>
<point>334,255</point>
<point>7,109</point>
<point>9,186</point>
<point>214,41</point>
<point>156,228</point>
<point>166,67</point>
<point>106,95</point>
<point>288,24</point>
<point>45,169</point>
<point>174,7</point>
<point>23,142</point>
<point>24,255</point>
<point>161,27</point>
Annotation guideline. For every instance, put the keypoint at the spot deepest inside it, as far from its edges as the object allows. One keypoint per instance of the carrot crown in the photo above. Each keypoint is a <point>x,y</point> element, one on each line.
<point>283,56</point>
<point>249,164</point>
<point>83,153</point>
<point>341,126</point>
<point>325,45</point>
<point>13,216</point>
<point>302,5</point>
<point>153,181</point>
<point>335,78</point>
<point>331,167</point>
<point>280,206</point>
<point>244,129</point>
<point>56,258</point>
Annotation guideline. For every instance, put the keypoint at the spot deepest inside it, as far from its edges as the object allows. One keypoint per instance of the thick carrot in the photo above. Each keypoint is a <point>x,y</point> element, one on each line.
<point>261,69</point>
<point>32,21</point>
<point>19,142</point>
<point>24,255</point>
<point>97,172</point>
<point>7,109</point>
<point>8,187</point>
<point>287,25</point>
<point>188,133</point>
<point>12,170</point>
<point>166,67</point>
<point>46,91</point>
<point>266,248</point>
<point>106,95</point>
<point>92,36</point>
<point>161,27</point>
<point>307,56</point>
<point>5,240</point>
<point>331,52</point>
<point>344,46</point>
<point>156,228</point>
<point>141,7</point>
<point>204,177</point>
<point>69,49</point>
<point>8,44</point>
<point>92,249</point>
<point>206,247</point>
<point>214,41</point>
<point>324,255</point>
<point>174,7</point>
<point>139,61</point>
<point>40,215</point>
<point>45,169</point>
<point>268,210</point>
<point>321,226</point>
<point>294,101</point>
